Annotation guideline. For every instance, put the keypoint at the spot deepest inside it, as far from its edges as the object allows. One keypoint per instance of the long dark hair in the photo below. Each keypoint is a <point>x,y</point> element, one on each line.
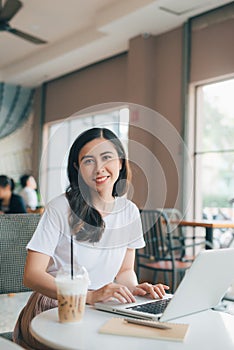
<point>86,222</point>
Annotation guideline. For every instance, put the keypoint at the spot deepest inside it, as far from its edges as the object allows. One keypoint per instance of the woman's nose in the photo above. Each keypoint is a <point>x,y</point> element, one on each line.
<point>99,166</point>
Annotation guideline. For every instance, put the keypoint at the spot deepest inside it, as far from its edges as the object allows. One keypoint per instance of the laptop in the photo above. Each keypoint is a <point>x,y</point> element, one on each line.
<point>202,288</point>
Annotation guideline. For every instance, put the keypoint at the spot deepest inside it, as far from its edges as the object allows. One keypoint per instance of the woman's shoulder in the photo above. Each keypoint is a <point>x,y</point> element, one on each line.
<point>126,204</point>
<point>59,203</point>
<point>16,197</point>
<point>125,201</point>
<point>17,204</point>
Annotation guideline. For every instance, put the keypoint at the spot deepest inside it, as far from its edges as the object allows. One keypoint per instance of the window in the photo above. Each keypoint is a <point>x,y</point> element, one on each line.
<point>58,138</point>
<point>214,150</point>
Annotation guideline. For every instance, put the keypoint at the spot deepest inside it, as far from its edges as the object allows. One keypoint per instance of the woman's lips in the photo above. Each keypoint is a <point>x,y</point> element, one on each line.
<point>100,180</point>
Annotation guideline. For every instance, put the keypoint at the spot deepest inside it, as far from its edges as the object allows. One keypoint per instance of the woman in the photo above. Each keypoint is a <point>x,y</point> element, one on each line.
<point>106,227</point>
<point>10,203</point>
<point>28,191</point>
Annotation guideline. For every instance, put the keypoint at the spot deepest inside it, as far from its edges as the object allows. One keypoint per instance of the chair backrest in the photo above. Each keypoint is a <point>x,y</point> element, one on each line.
<point>15,232</point>
<point>157,235</point>
<point>178,237</point>
<point>174,217</point>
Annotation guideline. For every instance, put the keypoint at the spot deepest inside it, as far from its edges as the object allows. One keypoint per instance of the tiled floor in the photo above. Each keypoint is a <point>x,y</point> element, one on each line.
<point>10,307</point>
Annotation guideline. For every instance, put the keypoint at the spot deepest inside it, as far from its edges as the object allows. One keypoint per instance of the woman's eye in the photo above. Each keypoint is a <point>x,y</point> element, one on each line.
<point>88,161</point>
<point>107,157</point>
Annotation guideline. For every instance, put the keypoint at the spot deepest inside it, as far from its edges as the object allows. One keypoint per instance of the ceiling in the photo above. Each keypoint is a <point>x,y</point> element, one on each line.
<point>82,32</point>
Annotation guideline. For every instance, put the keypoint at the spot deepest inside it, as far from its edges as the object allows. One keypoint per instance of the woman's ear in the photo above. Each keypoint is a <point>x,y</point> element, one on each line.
<point>8,187</point>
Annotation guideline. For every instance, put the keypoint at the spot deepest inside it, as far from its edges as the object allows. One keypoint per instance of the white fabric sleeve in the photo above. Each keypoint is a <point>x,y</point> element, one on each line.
<point>45,238</point>
<point>135,227</point>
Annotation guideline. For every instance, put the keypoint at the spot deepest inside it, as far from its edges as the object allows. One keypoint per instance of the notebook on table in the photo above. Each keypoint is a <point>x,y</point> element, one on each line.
<point>202,288</point>
<point>118,326</point>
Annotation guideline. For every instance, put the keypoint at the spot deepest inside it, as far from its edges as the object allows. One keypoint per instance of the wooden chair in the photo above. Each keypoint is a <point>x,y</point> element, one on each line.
<point>160,251</point>
<point>15,232</point>
<point>188,245</point>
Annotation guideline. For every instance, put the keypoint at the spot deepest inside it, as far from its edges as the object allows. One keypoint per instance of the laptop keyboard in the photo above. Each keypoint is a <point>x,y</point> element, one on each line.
<point>154,307</point>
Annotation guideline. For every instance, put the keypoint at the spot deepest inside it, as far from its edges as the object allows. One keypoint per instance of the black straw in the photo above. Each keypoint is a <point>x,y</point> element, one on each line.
<point>72,257</point>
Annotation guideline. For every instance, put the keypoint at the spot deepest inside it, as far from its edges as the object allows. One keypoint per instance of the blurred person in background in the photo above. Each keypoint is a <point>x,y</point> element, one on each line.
<point>10,203</point>
<point>28,192</point>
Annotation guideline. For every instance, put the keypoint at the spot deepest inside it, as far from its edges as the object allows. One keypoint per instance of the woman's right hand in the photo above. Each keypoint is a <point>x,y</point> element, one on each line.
<point>111,290</point>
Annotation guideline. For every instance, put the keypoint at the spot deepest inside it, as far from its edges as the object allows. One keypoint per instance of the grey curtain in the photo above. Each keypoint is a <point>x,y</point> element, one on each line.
<point>15,106</point>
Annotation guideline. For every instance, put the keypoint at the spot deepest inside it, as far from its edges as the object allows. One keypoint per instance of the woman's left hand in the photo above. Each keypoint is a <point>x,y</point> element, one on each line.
<point>154,290</point>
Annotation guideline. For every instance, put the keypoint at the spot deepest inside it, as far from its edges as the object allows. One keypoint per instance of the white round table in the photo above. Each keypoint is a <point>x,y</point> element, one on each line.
<point>8,345</point>
<point>208,330</point>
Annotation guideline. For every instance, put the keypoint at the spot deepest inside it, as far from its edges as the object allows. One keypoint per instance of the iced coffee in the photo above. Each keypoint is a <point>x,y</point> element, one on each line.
<point>71,294</point>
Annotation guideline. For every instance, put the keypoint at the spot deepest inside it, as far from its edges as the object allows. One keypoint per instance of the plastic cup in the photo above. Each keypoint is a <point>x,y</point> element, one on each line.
<point>71,293</point>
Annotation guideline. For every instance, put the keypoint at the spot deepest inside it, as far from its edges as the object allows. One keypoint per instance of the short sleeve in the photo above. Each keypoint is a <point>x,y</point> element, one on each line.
<point>45,238</point>
<point>135,228</point>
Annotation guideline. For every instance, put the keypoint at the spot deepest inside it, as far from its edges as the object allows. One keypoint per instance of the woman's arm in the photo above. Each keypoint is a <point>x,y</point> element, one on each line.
<point>36,278</point>
<point>128,277</point>
<point>126,274</point>
<point>121,290</point>
<point>126,285</point>
<point>35,275</point>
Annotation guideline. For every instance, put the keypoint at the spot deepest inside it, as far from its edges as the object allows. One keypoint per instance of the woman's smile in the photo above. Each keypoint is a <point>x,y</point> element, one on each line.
<point>101,179</point>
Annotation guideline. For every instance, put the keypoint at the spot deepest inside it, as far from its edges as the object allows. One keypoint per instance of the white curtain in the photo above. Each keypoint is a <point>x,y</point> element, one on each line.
<point>15,107</point>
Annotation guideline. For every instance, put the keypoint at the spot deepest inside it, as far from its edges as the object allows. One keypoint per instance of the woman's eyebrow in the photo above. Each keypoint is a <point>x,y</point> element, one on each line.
<point>107,152</point>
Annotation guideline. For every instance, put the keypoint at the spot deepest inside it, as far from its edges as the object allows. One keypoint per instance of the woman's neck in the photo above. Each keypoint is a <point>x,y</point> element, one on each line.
<point>6,200</point>
<point>104,204</point>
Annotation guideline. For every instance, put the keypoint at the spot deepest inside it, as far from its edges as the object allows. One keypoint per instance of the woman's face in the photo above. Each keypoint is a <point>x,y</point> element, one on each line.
<point>5,191</point>
<point>32,183</point>
<point>99,165</point>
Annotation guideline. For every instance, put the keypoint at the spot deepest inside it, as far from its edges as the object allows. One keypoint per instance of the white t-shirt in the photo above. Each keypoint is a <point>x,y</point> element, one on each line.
<point>103,259</point>
<point>30,197</point>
